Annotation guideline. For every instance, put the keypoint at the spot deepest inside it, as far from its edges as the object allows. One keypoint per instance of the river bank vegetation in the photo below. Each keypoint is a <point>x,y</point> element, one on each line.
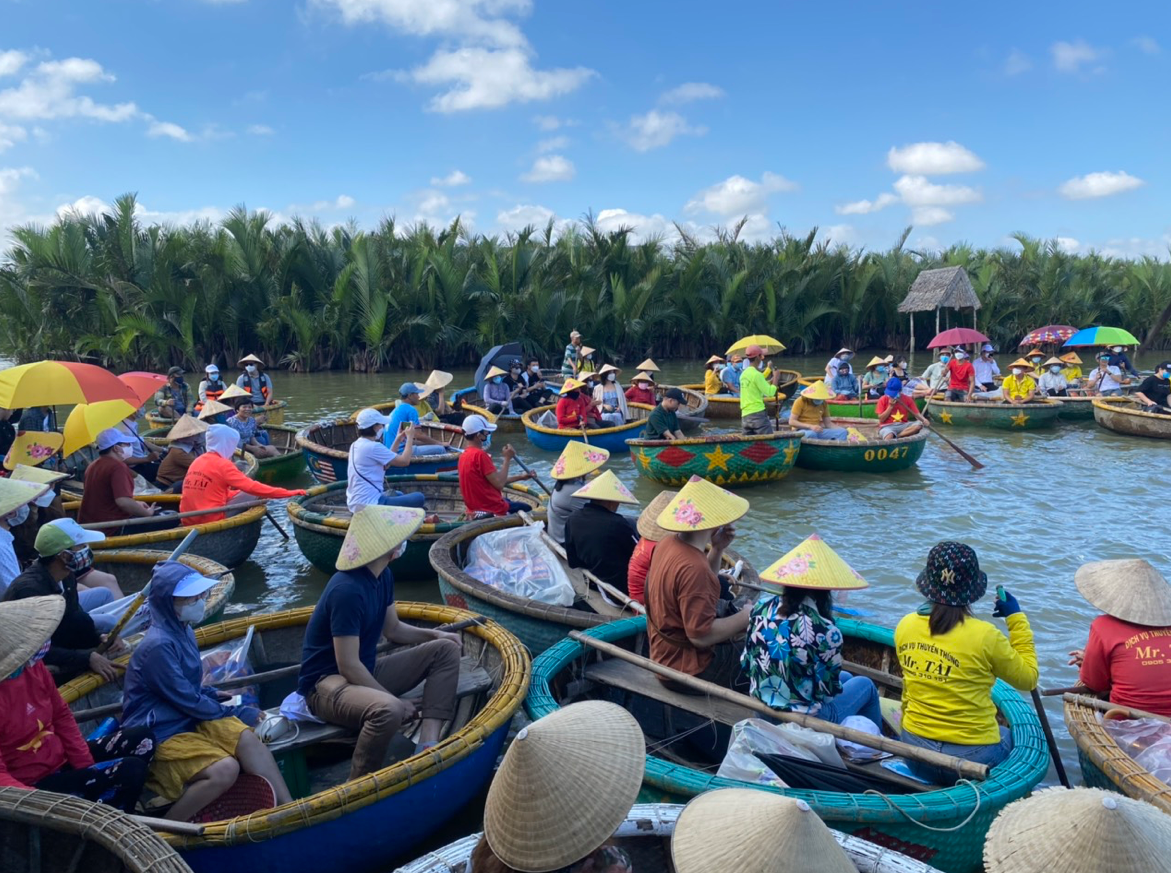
<point>116,292</point>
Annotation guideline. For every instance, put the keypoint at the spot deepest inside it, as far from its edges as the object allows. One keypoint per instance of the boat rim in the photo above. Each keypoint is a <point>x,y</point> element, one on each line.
<point>528,418</point>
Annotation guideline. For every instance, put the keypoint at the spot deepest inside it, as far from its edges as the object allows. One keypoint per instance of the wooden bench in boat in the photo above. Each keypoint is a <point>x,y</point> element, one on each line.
<point>632,679</point>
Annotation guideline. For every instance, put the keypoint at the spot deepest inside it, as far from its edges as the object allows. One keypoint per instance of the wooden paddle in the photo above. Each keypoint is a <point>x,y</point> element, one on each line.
<point>536,478</point>
<point>975,464</point>
<point>282,531</point>
<point>966,769</point>
<point>103,525</point>
<point>1050,740</point>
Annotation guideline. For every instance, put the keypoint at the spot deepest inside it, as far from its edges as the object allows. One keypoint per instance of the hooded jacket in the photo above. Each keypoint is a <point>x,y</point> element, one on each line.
<point>164,687</point>
<point>213,479</point>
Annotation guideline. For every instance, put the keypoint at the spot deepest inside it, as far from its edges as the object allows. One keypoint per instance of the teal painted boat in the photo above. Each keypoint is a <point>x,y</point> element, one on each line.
<point>995,415</point>
<point>1078,407</point>
<point>326,447</point>
<point>612,439</point>
<point>944,827</point>
<point>875,455</point>
<point>731,460</point>
<point>321,519</point>
<point>288,465</point>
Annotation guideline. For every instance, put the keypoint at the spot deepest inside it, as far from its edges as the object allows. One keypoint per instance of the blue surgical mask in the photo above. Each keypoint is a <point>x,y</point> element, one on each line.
<point>943,359</point>
<point>1166,374</point>
<point>740,366</point>
<point>488,441</point>
<point>817,402</point>
<point>496,380</point>
<point>19,517</point>
<point>882,368</point>
<point>1054,369</point>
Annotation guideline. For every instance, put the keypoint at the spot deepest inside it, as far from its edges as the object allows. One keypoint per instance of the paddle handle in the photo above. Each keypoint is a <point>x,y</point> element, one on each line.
<point>966,769</point>
<point>112,636</point>
<point>103,525</point>
<point>536,478</point>
<point>1050,740</point>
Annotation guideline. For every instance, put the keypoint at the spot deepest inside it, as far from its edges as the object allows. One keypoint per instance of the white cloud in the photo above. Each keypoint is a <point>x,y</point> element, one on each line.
<point>1016,63</point>
<point>521,216</point>
<point>1067,244</point>
<point>929,215</point>
<point>737,196</point>
<point>920,191</point>
<point>1099,185</point>
<point>11,62</point>
<point>436,209</point>
<point>864,207</point>
<point>260,130</point>
<point>933,158</point>
<point>473,20</point>
<point>452,180</point>
<point>549,123</point>
<point>1146,44</point>
<point>550,168</point>
<point>689,92</point>
<point>87,205</point>
<point>1070,57</point>
<point>10,135</point>
<point>168,129</point>
<point>481,78</point>
<point>838,234</point>
<point>644,227</point>
<point>656,129</point>
<point>49,91</point>
<point>1138,247</point>
<point>552,144</point>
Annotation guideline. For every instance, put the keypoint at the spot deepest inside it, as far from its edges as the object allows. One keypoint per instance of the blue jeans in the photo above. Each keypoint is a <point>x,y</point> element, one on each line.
<point>991,755</point>
<point>517,506</point>
<point>415,499</point>
<point>1112,392</point>
<point>91,599</point>
<point>827,433</point>
<point>859,697</point>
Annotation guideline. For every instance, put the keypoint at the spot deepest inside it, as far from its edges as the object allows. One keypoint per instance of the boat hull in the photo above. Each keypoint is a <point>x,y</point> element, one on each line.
<point>876,455</point>
<point>325,447</point>
<point>273,414</point>
<point>1077,408</point>
<point>728,460</point>
<point>1116,414</point>
<point>996,416</point>
<point>612,439</point>
<point>282,468</point>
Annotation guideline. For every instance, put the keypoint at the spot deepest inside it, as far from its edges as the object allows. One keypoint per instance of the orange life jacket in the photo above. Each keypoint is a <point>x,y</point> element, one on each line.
<point>212,394</point>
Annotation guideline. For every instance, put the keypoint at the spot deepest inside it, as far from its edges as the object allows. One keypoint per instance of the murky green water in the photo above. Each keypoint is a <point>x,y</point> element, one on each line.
<point>1046,502</point>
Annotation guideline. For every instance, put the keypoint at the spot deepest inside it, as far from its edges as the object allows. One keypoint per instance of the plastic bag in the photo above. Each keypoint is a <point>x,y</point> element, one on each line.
<point>821,746</point>
<point>853,751</point>
<point>138,623</point>
<point>230,661</point>
<point>752,736</point>
<point>515,561</point>
<point>1147,740</point>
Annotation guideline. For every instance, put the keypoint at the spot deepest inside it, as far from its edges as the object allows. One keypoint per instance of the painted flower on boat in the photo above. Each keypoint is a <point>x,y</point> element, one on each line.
<point>689,514</point>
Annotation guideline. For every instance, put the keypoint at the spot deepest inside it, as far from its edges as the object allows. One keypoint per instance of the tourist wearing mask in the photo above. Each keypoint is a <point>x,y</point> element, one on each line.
<point>843,356</point>
<point>576,462</point>
<point>1106,380</point>
<point>370,460</point>
<point>536,391</point>
<point>754,391</point>
<point>711,375</point>
<point>845,384</point>
<point>609,397</point>
<point>255,381</point>
<point>16,498</point>
<point>61,549</point>
<point>144,456</point>
<point>480,483</point>
<point>109,483</point>
<point>213,479</point>
<point>569,410</point>
<point>874,379</point>
<point>1073,369</point>
<point>203,744</point>
<point>986,368</point>
<point>961,376</point>
<point>518,390</point>
<point>1036,359</point>
<point>497,394</point>
<point>186,444</point>
<point>810,414</point>
<point>585,361</point>
<point>40,743</point>
<point>1019,386</point>
<point>211,388</point>
<point>947,701</point>
<point>1121,360</point>
<point>730,376</point>
<point>936,374</point>
<point>641,390</point>
<point>1154,390</point>
<point>173,399</point>
<point>1053,382</point>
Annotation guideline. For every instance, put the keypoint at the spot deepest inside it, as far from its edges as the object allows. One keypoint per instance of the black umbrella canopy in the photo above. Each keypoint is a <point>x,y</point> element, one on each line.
<point>498,356</point>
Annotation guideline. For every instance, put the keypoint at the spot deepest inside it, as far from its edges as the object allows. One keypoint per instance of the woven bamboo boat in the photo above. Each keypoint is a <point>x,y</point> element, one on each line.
<point>73,487</point>
<point>910,823</point>
<point>727,407</point>
<point>46,832</point>
<point>728,459</point>
<point>612,439</point>
<point>1076,407</point>
<point>646,837</point>
<point>285,466</point>
<point>1104,763</point>
<point>134,567</point>
<point>321,520</point>
<point>1121,415</point>
<point>537,625</point>
<point>326,447</point>
<point>388,406</point>
<point>274,413</point>
<point>505,422</point>
<point>336,823</point>
<point>998,416</point>
<point>876,455</point>
<point>230,542</point>
<point>693,412</point>
<point>861,408</point>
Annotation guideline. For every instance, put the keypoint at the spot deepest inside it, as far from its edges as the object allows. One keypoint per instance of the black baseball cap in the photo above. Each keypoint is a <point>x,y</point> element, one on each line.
<point>176,371</point>
<point>673,394</point>
<point>1166,365</point>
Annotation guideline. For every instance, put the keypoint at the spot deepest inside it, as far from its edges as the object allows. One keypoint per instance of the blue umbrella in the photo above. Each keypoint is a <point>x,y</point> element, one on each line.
<point>498,356</point>
<point>1102,336</point>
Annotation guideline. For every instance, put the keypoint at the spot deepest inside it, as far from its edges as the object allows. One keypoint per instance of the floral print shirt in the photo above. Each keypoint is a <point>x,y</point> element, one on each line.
<point>793,662</point>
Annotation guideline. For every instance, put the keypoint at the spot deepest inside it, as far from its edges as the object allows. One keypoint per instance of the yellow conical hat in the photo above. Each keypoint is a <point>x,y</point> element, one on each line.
<point>213,408</point>
<point>376,531</point>
<point>1071,358</point>
<point>1054,362</point>
<point>606,487</point>
<point>700,505</point>
<point>495,371</point>
<point>33,447</point>
<point>232,392</point>
<point>648,366</point>
<point>569,385</point>
<point>578,459</point>
<point>15,493</point>
<point>37,475</point>
<point>817,391</point>
<point>813,564</point>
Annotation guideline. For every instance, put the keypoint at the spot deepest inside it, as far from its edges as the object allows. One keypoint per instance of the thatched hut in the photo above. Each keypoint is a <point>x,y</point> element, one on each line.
<point>947,287</point>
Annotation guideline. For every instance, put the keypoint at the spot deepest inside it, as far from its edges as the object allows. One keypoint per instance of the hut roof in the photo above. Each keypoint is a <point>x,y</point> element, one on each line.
<point>948,286</point>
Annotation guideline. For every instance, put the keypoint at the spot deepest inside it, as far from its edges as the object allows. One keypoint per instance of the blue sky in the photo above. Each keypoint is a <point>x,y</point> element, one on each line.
<point>969,122</point>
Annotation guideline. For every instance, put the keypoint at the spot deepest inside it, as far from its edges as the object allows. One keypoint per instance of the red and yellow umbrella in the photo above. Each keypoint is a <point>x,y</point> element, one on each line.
<point>56,383</point>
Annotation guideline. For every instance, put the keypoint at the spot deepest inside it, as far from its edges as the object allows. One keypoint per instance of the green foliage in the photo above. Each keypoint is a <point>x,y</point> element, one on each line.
<point>108,289</point>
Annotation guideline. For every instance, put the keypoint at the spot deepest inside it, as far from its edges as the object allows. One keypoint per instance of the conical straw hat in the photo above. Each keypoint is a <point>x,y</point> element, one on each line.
<point>578,459</point>
<point>813,564</point>
<point>714,359</point>
<point>495,371</point>
<point>187,427</point>
<point>213,408</point>
<point>1083,830</point>
<point>643,377</point>
<point>566,782</point>
<point>1071,358</point>
<point>586,350</point>
<point>437,381</point>
<point>1130,589</point>
<point>606,487</point>
<point>817,391</point>
<point>738,830</point>
<point>249,359</point>
<point>700,505</point>
<point>233,392</point>
<point>648,366</point>
<point>376,531</point>
<point>875,361</point>
<point>1021,362</point>
<point>608,368</point>
<point>15,493</point>
<point>648,528</point>
<point>26,625</point>
<point>1031,352</point>
<point>38,475</point>
<point>33,447</point>
<point>569,385</point>
<point>1052,361</point>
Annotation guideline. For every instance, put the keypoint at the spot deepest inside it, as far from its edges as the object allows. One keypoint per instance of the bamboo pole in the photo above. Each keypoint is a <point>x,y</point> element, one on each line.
<point>231,507</point>
<point>1106,706</point>
<point>966,769</point>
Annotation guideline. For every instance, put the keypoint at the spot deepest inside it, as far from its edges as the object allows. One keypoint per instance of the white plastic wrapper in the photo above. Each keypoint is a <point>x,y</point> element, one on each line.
<point>1146,740</point>
<point>753,736</point>
<point>517,562</point>
<point>822,746</point>
<point>856,753</point>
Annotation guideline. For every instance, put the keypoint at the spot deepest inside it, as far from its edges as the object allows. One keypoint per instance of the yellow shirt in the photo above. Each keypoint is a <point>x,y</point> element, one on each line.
<point>424,408</point>
<point>1073,374</point>
<point>947,680</point>
<point>711,382</point>
<point>806,412</point>
<point>1018,386</point>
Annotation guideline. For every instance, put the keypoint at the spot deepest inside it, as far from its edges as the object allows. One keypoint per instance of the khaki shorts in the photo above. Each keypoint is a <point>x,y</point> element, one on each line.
<point>184,756</point>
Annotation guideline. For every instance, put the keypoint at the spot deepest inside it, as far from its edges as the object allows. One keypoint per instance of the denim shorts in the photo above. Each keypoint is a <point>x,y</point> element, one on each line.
<point>990,754</point>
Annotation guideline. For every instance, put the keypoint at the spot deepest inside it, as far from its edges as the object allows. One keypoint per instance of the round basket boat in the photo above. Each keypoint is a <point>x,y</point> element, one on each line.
<point>274,413</point>
<point>321,520</point>
<point>134,567</point>
<point>326,447</point>
<point>944,827</point>
<point>284,467</point>
<point>230,541</point>
<point>1076,407</point>
<point>875,455</point>
<point>337,823</point>
<point>728,459</point>
<point>646,835</point>
<point>388,407</point>
<point>998,416</point>
<point>537,625</point>
<point>506,422</point>
<point>1121,415</point>
<point>612,439</point>
<point>73,487</point>
<point>1104,763</point>
<point>693,409</point>
<point>726,407</point>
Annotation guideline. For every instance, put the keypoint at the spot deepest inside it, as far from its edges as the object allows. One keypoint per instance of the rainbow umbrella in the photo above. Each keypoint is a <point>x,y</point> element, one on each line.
<point>1097,336</point>
<point>769,344</point>
<point>53,383</point>
<point>1050,333</point>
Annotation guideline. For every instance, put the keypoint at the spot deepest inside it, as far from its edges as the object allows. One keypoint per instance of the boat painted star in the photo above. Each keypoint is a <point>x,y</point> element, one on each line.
<point>791,453</point>
<point>1019,419</point>
<point>945,417</point>
<point>717,459</point>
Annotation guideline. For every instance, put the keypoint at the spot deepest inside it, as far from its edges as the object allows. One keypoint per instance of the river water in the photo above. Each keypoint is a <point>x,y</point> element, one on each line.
<point>1046,502</point>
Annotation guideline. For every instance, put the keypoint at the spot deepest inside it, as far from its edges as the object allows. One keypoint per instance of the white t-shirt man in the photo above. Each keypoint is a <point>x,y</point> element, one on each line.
<point>368,460</point>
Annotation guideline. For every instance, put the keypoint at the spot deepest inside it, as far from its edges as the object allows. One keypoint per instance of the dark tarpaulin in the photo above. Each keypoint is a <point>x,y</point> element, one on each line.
<point>498,356</point>
<point>816,776</point>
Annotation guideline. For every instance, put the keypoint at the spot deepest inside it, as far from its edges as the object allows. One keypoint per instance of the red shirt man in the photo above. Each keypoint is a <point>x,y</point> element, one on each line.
<point>961,377</point>
<point>480,483</point>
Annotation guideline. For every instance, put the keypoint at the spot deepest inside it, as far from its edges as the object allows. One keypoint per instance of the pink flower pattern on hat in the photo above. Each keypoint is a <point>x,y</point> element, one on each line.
<point>38,451</point>
<point>351,551</point>
<point>689,514</point>
<point>559,467</point>
<point>594,457</point>
<point>798,565</point>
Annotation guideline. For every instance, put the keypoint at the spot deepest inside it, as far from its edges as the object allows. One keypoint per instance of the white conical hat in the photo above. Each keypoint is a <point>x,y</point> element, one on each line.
<point>1130,589</point>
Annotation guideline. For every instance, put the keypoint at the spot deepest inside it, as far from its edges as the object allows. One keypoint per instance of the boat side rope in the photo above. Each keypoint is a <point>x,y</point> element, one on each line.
<point>928,827</point>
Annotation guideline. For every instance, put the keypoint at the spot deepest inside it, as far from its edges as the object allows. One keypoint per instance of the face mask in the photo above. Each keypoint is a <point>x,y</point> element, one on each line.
<point>1054,369</point>
<point>818,402</point>
<point>881,368</point>
<point>1016,371</point>
<point>78,560</point>
<point>535,368</point>
<point>960,356</point>
<point>740,366</point>
<point>488,441</point>
<point>902,365</point>
<point>251,368</point>
<point>847,356</point>
<point>1116,349</point>
<point>19,517</point>
<point>45,499</point>
<point>192,613</point>
<point>1035,360</point>
<point>496,380</point>
<point>943,359</point>
<point>1166,374</point>
<point>378,432</point>
<point>611,377</point>
<point>760,365</point>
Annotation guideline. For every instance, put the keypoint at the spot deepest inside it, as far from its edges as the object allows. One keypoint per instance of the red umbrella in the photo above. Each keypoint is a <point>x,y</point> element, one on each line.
<point>144,385</point>
<point>1050,333</point>
<point>957,336</point>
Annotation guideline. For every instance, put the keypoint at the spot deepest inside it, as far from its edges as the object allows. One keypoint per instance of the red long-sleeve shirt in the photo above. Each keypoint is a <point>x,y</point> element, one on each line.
<point>38,734</point>
<point>213,480</point>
